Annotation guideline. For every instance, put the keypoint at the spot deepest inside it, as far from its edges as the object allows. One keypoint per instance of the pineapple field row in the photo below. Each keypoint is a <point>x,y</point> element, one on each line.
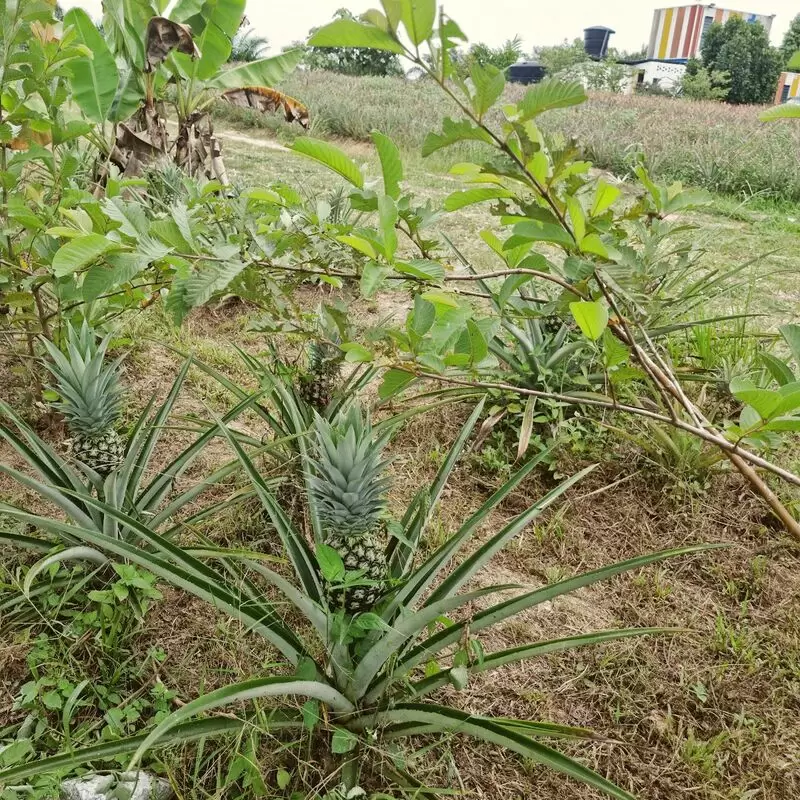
<point>328,472</point>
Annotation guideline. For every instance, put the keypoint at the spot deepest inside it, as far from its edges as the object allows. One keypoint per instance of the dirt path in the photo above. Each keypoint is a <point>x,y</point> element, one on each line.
<point>253,141</point>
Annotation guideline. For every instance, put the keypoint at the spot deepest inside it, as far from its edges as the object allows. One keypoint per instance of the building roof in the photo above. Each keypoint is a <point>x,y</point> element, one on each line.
<point>637,61</point>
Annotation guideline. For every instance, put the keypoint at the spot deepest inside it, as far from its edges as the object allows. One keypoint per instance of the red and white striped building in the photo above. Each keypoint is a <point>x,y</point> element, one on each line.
<point>677,32</point>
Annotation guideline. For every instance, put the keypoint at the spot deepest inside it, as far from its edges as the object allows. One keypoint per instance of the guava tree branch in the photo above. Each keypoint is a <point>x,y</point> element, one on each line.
<point>702,433</point>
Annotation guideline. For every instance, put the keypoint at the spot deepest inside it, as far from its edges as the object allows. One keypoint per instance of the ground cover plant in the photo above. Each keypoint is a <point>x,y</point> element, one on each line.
<point>374,484</point>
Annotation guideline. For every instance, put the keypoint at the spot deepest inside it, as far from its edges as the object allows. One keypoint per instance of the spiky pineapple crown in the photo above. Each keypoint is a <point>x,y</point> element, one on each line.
<point>324,357</point>
<point>350,481</point>
<point>90,391</point>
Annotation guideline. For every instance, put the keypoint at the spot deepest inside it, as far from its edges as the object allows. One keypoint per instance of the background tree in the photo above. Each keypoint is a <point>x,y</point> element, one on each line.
<point>248,46</point>
<point>351,60</point>
<point>628,55</point>
<point>699,83</point>
<point>561,56</point>
<point>742,49</point>
<point>791,40</point>
<point>501,57</point>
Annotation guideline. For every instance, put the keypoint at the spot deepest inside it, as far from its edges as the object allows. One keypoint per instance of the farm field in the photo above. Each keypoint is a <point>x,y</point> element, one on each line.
<point>356,479</point>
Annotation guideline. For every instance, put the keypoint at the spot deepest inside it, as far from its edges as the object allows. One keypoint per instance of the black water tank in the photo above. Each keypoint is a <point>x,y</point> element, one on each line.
<point>595,40</point>
<point>526,72</point>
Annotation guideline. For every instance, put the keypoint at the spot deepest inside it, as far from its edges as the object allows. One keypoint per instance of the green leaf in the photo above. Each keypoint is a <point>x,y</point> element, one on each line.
<point>240,692</point>
<point>369,621</point>
<point>310,712</point>
<point>605,195</point>
<point>330,563</point>
<point>418,17</point>
<point>357,353</point>
<point>442,719</point>
<point>794,62</point>
<point>779,370</point>
<point>537,231</point>
<point>453,132</point>
<point>79,253</point>
<point>283,778</point>
<point>69,554</point>
<point>387,214</point>
<point>331,156</point>
<point>468,197</point>
<point>551,93</point>
<point>372,276</point>
<point>351,33</point>
<point>488,82</point>
<point>65,762</point>
<point>479,348</point>
<point>93,79</point>
<point>265,72</point>
<point>394,381</point>
<point>359,243</point>
<point>391,163</point>
<point>592,243</point>
<point>208,278</point>
<point>592,318</point>
<point>121,268</point>
<point>577,217</point>
<point>343,741</point>
<point>764,401</point>
<point>791,335</point>
<point>459,676</point>
<point>539,166</point>
<point>421,268</point>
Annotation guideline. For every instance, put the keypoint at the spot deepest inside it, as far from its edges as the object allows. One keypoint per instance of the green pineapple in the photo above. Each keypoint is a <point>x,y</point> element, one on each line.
<point>349,489</point>
<point>551,325</point>
<point>91,398</point>
<point>320,382</point>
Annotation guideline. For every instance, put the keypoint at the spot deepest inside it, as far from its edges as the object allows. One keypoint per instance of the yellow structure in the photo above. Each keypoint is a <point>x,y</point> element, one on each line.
<point>788,87</point>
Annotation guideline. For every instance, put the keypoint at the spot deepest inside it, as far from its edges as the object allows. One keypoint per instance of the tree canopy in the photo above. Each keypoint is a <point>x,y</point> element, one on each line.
<point>791,40</point>
<point>742,50</point>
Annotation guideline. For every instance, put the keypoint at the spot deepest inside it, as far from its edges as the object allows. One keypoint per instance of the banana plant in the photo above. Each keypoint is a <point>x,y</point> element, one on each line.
<point>368,678</point>
<point>126,79</point>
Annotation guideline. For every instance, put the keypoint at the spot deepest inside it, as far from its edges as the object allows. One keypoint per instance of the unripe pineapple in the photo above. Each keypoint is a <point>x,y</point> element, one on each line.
<point>91,398</point>
<point>551,325</point>
<point>349,489</point>
<point>319,384</point>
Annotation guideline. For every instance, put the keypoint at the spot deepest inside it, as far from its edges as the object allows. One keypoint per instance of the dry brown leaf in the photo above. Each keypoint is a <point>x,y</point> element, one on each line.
<point>266,100</point>
<point>164,36</point>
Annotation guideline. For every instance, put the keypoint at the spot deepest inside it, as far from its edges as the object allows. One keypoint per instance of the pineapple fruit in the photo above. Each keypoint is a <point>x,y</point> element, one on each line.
<point>318,385</point>
<point>349,488</point>
<point>91,398</point>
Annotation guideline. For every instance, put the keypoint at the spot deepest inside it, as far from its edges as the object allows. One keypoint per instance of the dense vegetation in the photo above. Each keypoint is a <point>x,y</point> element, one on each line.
<point>371,506</point>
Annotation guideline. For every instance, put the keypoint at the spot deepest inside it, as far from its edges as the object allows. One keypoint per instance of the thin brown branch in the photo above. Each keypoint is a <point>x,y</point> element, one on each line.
<point>701,433</point>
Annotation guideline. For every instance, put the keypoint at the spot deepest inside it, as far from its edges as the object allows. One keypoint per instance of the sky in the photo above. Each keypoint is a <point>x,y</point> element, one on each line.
<point>493,21</point>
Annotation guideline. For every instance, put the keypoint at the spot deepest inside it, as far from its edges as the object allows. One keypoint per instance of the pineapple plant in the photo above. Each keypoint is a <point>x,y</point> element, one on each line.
<point>349,489</point>
<point>318,384</point>
<point>91,398</point>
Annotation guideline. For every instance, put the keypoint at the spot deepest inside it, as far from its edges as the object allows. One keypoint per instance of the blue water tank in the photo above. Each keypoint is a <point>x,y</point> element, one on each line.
<point>595,40</point>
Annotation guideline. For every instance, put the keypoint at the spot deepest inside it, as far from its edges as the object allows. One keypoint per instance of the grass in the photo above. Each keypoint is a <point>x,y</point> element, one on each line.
<point>722,148</point>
